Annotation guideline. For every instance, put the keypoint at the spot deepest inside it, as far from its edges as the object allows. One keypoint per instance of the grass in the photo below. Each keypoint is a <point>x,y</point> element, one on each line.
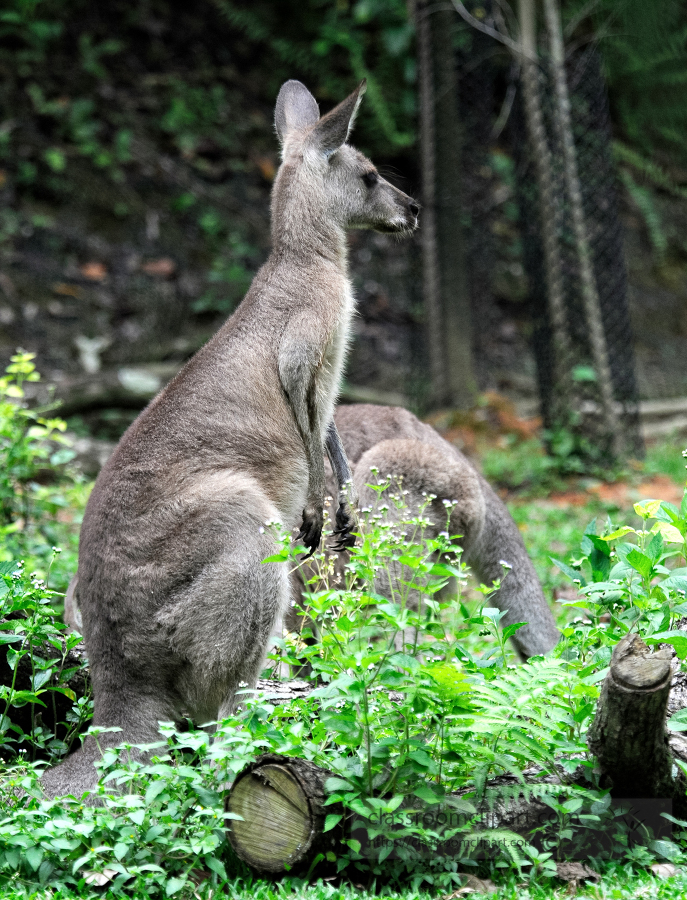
<point>619,883</point>
<point>552,513</point>
<point>664,458</point>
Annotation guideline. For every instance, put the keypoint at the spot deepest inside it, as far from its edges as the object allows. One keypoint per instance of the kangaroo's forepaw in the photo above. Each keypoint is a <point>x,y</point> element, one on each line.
<point>345,523</point>
<point>311,529</point>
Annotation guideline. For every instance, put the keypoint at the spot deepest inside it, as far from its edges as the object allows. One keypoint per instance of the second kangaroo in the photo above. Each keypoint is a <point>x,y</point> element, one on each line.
<point>176,605</point>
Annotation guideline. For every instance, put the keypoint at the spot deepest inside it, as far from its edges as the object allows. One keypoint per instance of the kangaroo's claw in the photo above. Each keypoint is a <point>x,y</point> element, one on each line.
<point>311,530</point>
<point>345,523</point>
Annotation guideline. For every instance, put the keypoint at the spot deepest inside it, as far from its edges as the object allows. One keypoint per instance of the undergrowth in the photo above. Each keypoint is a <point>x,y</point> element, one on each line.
<point>415,710</point>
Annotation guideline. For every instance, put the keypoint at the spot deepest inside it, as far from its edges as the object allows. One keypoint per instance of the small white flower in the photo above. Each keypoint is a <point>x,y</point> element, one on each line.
<point>505,564</point>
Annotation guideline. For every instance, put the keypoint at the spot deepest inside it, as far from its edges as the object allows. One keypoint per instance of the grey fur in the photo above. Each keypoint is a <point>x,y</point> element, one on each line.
<point>176,605</point>
<point>395,442</point>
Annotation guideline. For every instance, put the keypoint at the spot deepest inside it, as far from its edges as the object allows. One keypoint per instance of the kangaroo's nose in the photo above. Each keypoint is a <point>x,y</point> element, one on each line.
<point>413,208</point>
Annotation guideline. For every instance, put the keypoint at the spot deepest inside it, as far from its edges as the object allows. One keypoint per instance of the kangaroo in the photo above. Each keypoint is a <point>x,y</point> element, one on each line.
<point>396,443</point>
<point>175,603</point>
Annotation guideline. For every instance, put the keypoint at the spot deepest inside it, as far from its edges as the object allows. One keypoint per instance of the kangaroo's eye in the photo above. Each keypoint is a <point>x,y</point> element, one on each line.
<point>370,179</point>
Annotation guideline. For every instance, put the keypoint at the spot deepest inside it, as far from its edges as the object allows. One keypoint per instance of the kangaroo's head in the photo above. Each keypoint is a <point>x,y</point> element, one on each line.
<point>324,182</point>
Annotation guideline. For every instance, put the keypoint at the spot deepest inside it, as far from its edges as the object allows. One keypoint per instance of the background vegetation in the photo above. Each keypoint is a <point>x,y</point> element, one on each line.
<point>136,155</point>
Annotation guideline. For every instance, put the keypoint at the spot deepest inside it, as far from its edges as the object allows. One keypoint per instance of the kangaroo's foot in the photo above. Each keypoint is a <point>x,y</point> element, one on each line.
<point>345,523</point>
<point>311,529</point>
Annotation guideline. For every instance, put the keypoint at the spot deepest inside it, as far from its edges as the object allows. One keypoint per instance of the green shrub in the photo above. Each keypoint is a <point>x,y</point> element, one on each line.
<point>41,501</point>
<point>40,714</point>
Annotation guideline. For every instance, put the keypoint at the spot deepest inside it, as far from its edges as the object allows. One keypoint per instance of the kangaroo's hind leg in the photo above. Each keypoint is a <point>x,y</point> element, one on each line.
<point>221,625</point>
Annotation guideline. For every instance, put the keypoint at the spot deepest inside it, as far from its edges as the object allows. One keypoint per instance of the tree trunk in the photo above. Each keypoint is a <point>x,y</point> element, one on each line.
<point>280,800</point>
<point>428,231</point>
<point>447,302</point>
<point>628,735</point>
<point>455,301</point>
<point>548,203</point>
<point>590,296</point>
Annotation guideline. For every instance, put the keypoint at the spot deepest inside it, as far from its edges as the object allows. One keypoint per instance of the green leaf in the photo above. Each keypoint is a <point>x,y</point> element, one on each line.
<point>666,849</point>
<point>421,757</point>
<point>337,784</point>
<point>677,639</point>
<point>173,885</point>
<point>668,512</point>
<point>675,582</point>
<point>45,871</point>
<point>596,676</point>
<point>405,661</point>
<point>678,722</point>
<point>618,533</point>
<point>34,857</point>
<point>67,691</point>
<point>646,509</point>
<point>277,557</point>
<point>62,456</point>
<point>154,790</point>
<point>655,546</point>
<point>425,792</point>
<point>217,866</point>
<point>640,562</point>
<point>510,630</point>
<point>55,159</point>
<point>600,544</point>
<point>331,821</point>
<point>209,799</point>
<point>572,574</point>
<point>668,532</point>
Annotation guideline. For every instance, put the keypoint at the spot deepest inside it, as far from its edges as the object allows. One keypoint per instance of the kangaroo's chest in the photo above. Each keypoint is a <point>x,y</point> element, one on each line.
<point>330,372</point>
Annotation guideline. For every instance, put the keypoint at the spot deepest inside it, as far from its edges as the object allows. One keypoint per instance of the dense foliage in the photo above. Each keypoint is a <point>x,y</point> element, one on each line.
<point>416,709</point>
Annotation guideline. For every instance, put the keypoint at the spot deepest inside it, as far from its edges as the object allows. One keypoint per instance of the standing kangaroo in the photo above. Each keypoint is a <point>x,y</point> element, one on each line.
<point>176,605</point>
<point>396,443</point>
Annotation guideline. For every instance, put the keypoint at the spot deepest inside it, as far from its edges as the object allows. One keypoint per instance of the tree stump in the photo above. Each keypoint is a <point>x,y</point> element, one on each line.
<point>280,800</point>
<point>628,735</point>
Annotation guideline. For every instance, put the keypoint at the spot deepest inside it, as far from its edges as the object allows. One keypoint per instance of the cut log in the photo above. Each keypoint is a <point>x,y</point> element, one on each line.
<point>628,735</point>
<point>280,800</point>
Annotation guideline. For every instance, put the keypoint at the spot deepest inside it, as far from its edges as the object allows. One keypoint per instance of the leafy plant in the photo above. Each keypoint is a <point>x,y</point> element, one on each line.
<point>411,715</point>
<point>38,668</point>
<point>36,489</point>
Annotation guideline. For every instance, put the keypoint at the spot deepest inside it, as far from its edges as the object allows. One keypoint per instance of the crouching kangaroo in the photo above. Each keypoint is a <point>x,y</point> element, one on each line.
<point>395,442</point>
<point>175,603</point>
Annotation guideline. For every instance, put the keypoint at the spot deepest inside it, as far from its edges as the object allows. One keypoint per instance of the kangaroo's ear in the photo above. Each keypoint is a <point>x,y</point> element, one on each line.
<point>333,129</point>
<point>296,108</point>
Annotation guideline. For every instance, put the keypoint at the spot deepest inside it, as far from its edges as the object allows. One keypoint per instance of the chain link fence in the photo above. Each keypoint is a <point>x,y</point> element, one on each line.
<point>493,122</point>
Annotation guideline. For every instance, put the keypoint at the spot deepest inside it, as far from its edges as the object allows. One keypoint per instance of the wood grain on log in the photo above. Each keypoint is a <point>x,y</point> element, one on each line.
<point>280,800</point>
<point>628,735</point>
